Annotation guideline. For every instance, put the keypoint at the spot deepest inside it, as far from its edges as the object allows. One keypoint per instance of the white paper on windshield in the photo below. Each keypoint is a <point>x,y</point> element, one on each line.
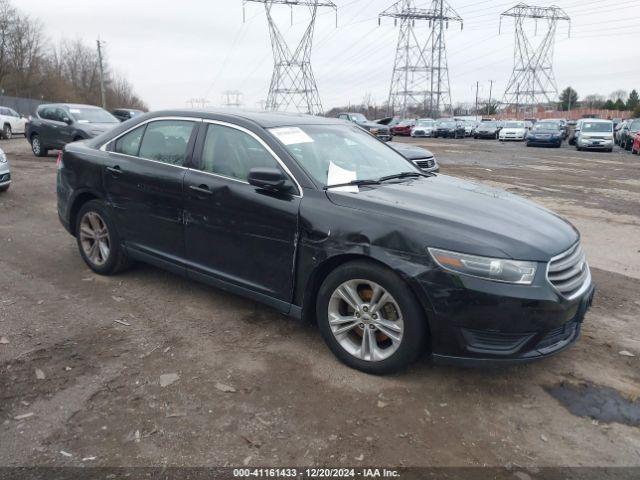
<point>74,110</point>
<point>338,175</point>
<point>291,135</point>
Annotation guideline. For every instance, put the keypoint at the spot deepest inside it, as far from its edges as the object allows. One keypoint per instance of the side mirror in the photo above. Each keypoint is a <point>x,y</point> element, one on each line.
<point>67,120</point>
<point>271,179</point>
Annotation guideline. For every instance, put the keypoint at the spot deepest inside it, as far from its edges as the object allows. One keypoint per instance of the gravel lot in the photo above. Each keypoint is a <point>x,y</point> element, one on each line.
<point>256,388</point>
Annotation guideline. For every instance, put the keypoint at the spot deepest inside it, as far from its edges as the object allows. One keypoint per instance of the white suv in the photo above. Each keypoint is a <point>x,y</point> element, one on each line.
<point>594,134</point>
<point>11,123</point>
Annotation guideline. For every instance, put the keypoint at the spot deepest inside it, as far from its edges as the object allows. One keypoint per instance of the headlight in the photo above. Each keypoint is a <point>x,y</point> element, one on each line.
<point>497,269</point>
<point>3,157</point>
<point>374,131</point>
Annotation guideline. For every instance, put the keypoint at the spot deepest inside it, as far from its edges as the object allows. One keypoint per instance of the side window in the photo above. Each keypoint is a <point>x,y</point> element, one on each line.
<point>46,113</point>
<point>166,141</point>
<point>129,144</point>
<point>232,153</point>
<point>60,115</point>
<point>13,113</point>
<point>343,117</point>
<point>4,111</point>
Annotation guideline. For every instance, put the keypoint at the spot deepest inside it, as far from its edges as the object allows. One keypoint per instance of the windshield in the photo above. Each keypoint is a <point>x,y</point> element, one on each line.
<point>92,115</point>
<point>334,154</point>
<point>448,124</point>
<point>546,126</point>
<point>358,118</point>
<point>514,125</point>
<point>425,123</point>
<point>597,127</point>
<point>634,126</point>
<point>489,125</point>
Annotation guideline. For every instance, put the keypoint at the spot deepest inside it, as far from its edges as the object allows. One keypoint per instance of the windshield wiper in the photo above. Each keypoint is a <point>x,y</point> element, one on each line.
<point>354,183</point>
<point>404,175</point>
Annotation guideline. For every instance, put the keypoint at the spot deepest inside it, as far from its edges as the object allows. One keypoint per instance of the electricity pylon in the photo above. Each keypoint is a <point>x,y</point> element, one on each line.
<point>232,98</point>
<point>293,83</point>
<point>532,81</point>
<point>420,72</point>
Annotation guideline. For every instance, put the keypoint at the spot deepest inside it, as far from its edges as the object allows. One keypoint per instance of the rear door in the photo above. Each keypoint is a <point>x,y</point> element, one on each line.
<point>143,178</point>
<point>235,232</point>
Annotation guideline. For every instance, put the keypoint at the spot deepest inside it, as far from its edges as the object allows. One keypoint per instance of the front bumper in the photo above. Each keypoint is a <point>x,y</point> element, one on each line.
<point>5,175</point>
<point>514,138</point>
<point>544,140</point>
<point>595,144</point>
<point>491,135</point>
<point>422,133</point>
<point>475,321</point>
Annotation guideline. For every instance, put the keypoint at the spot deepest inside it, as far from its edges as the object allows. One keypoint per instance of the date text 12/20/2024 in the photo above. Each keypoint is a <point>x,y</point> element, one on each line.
<point>315,473</point>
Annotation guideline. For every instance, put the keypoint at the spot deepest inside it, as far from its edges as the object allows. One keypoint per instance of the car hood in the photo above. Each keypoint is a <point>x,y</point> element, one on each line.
<point>453,214</point>
<point>513,130</point>
<point>370,125</point>
<point>409,151</point>
<point>545,132</point>
<point>98,127</point>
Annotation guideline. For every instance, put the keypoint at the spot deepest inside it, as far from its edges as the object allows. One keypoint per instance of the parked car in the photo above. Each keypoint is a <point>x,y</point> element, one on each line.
<point>403,129</point>
<point>420,156</point>
<point>595,134</point>
<point>487,130</point>
<point>545,133</point>
<point>469,126</point>
<point>335,228</point>
<point>11,123</point>
<point>574,130</point>
<point>627,133</point>
<point>424,128</point>
<point>124,114</point>
<point>513,130</point>
<point>562,124</point>
<point>616,132</point>
<point>388,121</point>
<point>635,147</point>
<point>449,129</point>
<point>54,126</point>
<point>381,131</point>
<point>5,172</point>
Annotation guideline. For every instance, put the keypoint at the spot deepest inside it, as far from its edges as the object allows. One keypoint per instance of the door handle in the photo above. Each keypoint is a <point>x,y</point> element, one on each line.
<point>115,171</point>
<point>202,189</point>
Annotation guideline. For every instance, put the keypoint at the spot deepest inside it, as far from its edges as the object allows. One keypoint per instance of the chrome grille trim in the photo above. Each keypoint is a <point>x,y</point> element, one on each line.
<point>569,272</point>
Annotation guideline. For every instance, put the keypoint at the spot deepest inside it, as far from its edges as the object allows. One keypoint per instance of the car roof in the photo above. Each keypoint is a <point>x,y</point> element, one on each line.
<point>599,120</point>
<point>263,119</point>
<point>69,105</point>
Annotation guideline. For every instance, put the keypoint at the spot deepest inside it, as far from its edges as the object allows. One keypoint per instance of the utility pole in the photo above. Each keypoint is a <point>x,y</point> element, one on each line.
<point>420,72</point>
<point>103,91</point>
<point>477,89</point>
<point>490,92</point>
<point>292,82</point>
<point>533,65</point>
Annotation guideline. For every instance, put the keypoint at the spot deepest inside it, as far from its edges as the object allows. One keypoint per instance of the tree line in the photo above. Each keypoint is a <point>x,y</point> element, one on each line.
<point>619,100</point>
<point>32,67</point>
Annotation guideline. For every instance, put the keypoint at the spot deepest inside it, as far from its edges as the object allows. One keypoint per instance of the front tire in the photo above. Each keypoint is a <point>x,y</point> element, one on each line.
<point>6,132</point>
<point>98,239</point>
<point>370,319</point>
<point>37,147</point>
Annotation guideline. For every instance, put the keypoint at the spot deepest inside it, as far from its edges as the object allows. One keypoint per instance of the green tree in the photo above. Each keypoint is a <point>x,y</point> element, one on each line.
<point>568,99</point>
<point>619,105</point>
<point>634,100</point>
<point>609,105</point>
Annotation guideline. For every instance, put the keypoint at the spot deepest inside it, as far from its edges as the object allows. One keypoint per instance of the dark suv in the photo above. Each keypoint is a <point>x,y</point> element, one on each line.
<point>627,133</point>
<point>321,221</point>
<point>53,126</point>
<point>124,114</point>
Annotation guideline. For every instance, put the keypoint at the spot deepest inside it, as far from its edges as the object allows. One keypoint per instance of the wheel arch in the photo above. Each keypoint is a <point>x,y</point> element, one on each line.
<point>79,200</point>
<point>322,271</point>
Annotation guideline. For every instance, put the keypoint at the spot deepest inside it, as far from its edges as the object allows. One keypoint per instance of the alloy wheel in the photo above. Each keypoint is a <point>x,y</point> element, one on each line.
<point>7,132</point>
<point>366,320</point>
<point>35,146</point>
<point>95,239</point>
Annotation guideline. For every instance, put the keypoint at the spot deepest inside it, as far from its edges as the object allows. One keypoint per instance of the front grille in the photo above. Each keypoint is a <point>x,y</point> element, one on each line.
<point>569,271</point>
<point>425,163</point>
<point>498,343</point>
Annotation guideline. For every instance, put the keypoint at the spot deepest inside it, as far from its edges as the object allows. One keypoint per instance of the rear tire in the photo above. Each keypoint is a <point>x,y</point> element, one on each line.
<point>6,132</point>
<point>37,148</point>
<point>376,339</point>
<point>98,240</point>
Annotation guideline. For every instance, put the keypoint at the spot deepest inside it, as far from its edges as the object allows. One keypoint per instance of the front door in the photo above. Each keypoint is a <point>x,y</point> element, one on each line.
<point>235,232</point>
<point>143,177</point>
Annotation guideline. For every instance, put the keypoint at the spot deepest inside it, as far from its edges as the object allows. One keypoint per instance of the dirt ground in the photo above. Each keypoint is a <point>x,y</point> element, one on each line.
<point>256,388</point>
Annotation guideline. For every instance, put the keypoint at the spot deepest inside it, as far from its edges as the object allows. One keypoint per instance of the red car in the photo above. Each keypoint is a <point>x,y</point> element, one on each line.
<point>403,128</point>
<point>635,148</point>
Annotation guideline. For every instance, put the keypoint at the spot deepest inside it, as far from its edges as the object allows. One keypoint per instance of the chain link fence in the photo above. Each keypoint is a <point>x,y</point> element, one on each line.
<point>24,106</point>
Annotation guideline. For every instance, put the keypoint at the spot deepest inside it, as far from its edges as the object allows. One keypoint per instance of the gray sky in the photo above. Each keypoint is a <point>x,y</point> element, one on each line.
<point>176,50</point>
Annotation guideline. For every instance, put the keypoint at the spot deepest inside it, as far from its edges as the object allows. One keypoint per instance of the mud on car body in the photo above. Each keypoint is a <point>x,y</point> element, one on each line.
<point>319,220</point>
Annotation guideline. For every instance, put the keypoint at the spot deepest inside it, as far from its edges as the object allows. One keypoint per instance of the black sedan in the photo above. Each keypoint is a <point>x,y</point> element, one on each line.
<point>487,130</point>
<point>421,157</point>
<point>319,220</point>
<point>449,129</point>
<point>545,133</point>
